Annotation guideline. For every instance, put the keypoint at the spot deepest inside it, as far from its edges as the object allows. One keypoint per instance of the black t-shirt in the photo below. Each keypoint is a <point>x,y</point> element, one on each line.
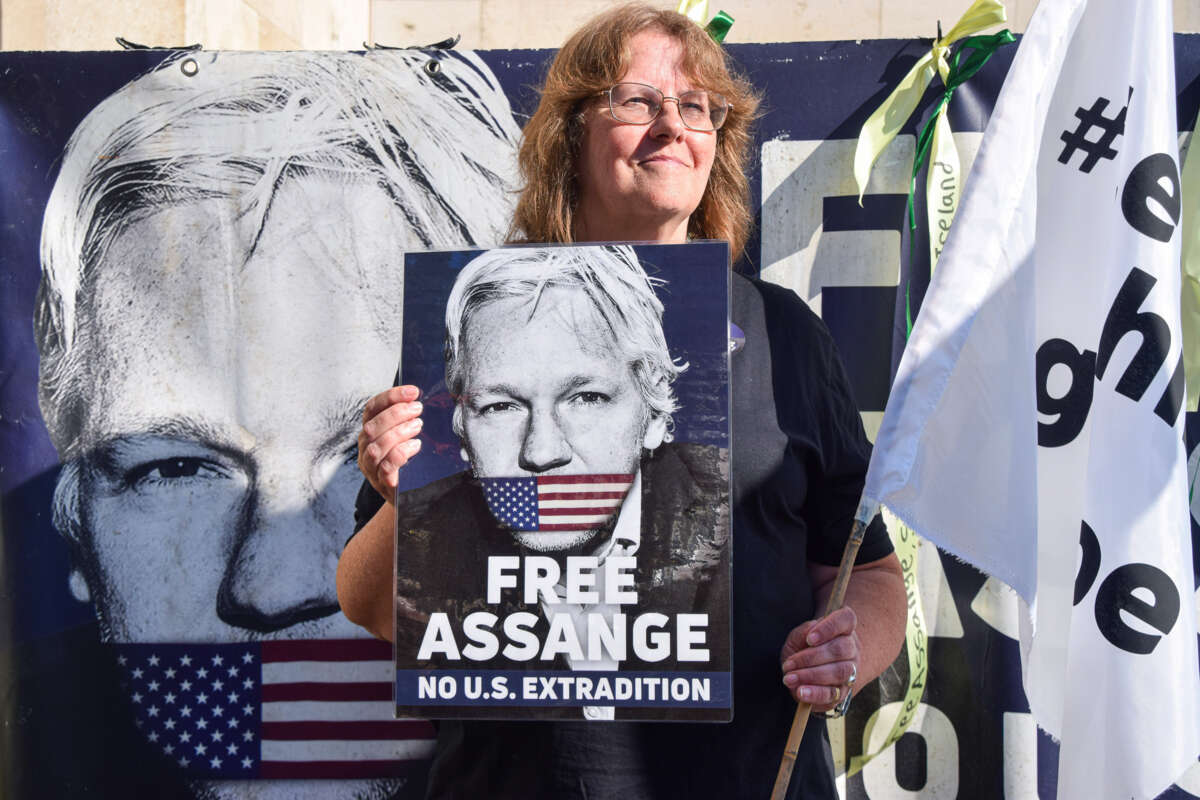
<point>799,456</point>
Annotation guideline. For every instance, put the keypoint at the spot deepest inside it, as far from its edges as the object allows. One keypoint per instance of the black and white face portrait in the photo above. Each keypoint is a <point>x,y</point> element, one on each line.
<point>219,299</point>
<point>219,458</point>
<point>550,379</point>
<point>546,391</point>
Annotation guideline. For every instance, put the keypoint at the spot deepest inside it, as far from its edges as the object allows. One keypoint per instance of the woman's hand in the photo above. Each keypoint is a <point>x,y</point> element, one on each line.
<point>819,658</point>
<point>391,422</point>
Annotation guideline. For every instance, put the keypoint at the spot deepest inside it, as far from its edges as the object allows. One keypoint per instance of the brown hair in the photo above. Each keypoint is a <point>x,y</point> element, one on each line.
<point>594,59</point>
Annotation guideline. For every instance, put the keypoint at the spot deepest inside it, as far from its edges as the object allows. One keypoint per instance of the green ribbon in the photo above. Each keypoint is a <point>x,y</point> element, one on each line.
<point>887,120</point>
<point>981,49</point>
<point>697,10</point>
<point>718,26</point>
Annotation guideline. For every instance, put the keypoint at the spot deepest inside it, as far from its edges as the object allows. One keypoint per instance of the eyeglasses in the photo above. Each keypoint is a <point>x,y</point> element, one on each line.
<point>640,104</point>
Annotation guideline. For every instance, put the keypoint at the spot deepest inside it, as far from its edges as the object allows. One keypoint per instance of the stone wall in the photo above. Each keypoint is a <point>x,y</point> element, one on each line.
<point>347,24</point>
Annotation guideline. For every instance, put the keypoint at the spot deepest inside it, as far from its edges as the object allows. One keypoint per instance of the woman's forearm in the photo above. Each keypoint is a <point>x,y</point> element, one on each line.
<point>365,572</point>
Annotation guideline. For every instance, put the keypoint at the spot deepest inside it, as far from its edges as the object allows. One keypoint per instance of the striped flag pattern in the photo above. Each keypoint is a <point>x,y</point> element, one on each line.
<point>556,502</point>
<point>279,709</point>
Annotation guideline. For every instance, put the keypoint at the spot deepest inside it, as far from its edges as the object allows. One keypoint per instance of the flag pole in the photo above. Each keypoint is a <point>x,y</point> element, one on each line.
<point>836,598</point>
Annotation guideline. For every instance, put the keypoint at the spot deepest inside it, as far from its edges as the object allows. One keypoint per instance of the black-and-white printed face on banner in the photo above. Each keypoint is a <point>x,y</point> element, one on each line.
<point>220,296</point>
<point>221,507</point>
<point>576,430</point>
<point>547,391</point>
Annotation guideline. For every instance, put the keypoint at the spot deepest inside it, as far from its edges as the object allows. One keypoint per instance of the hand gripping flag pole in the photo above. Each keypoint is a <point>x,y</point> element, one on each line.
<point>866,512</point>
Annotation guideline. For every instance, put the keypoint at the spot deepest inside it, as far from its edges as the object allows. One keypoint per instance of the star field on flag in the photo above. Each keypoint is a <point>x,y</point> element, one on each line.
<point>283,709</point>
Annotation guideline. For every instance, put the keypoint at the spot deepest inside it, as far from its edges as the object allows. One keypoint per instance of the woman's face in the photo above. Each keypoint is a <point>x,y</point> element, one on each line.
<point>644,181</point>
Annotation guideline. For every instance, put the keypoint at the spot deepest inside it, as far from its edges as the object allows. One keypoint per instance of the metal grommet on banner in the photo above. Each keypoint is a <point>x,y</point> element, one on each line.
<point>444,44</point>
<point>189,67</point>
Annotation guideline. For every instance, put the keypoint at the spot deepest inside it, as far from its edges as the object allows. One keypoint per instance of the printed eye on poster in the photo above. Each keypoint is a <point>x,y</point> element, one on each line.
<point>563,540</point>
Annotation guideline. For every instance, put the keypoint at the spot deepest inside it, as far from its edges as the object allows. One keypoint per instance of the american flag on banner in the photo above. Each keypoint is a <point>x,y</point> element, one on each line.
<point>556,502</point>
<point>280,709</point>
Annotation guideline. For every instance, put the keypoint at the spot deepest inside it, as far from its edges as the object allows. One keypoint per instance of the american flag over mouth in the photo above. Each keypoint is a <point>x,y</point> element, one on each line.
<point>556,502</point>
<point>295,708</point>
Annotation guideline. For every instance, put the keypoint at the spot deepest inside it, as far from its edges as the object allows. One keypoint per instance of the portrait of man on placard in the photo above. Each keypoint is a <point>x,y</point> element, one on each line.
<point>221,284</point>
<point>581,535</point>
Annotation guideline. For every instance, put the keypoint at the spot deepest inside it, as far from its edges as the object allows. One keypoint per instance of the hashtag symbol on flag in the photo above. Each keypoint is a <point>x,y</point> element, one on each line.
<point>1100,148</point>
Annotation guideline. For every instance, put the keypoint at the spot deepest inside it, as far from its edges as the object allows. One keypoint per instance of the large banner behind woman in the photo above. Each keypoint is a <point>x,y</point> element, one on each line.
<point>200,285</point>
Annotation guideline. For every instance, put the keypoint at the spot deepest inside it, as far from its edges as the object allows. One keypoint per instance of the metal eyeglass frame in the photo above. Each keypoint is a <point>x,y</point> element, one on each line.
<point>665,97</point>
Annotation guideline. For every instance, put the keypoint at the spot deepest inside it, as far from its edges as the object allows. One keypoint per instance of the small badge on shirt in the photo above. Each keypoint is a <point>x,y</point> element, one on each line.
<point>737,338</point>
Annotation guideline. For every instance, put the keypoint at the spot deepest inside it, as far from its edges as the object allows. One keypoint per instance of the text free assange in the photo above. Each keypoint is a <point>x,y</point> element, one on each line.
<point>586,582</point>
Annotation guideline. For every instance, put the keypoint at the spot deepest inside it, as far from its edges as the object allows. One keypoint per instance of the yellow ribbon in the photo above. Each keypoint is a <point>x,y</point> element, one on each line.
<point>943,184</point>
<point>1190,260</point>
<point>695,10</point>
<point>882,126</point>
<point>906,543</point>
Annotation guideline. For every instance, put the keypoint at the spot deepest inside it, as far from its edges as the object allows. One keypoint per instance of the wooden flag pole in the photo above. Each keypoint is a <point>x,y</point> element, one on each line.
<point>800,721</point>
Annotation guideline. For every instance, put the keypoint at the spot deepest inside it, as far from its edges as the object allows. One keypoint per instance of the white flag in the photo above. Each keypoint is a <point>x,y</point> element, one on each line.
<point>1035,427</point>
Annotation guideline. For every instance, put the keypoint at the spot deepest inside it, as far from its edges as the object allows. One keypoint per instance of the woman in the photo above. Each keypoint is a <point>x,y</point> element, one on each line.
<point>642,134</point>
